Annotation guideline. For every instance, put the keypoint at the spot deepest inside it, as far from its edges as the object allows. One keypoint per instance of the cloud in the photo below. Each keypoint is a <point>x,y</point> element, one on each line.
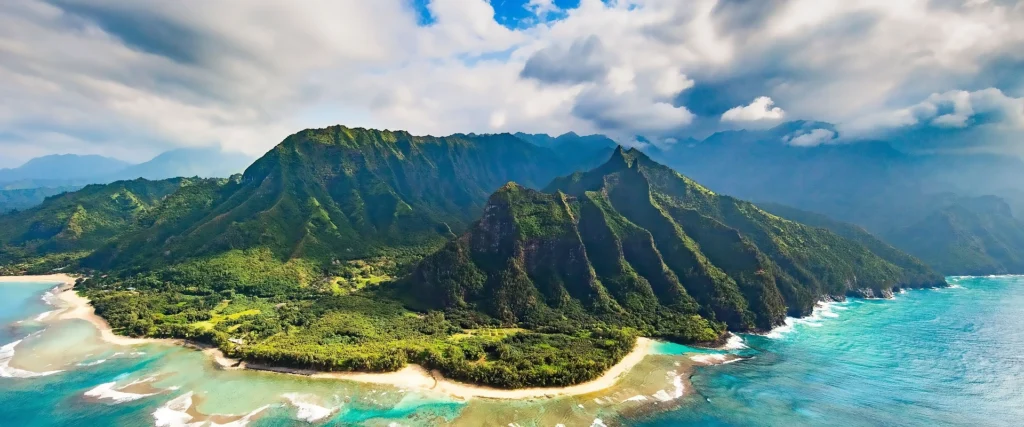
<point>583,61</point>
<point>809,138</point>
<point>761,109</point>
<point>621,114</point>
<point>951,109</point>
<point>542,7</point>
<point>133,78</point>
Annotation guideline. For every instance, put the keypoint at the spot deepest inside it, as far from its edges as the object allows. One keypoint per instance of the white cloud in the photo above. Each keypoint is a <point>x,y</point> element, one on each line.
<point>952,109</point>
<point>761,109</point>
<point>131,78</point>
<point>542,7</point>
<point>810,138</point>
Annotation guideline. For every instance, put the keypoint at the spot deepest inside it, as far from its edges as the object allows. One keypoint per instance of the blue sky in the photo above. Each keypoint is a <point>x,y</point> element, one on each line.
<point>130,79</point>
<point>510,13</point>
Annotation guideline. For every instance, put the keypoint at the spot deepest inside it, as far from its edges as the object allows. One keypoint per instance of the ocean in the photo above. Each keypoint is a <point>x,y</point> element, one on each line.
<point>952,356</point>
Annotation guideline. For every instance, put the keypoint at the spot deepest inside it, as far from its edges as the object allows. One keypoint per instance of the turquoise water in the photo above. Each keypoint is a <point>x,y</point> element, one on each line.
<point>931,358</point>
<point>928,358</point>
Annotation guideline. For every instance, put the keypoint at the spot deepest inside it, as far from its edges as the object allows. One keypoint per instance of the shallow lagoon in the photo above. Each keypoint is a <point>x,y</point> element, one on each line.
<point>941,357</point>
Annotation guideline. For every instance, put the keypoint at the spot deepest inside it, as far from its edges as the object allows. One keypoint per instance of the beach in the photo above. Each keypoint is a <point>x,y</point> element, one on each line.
<point>417,377</point>
<point>60,279</point>
<point>74,306</point>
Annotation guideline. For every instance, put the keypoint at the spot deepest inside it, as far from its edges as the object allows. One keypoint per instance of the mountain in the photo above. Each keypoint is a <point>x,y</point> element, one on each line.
<point>347,193</point>
<point>973,236</point>
<point>20,199</point>
<point>586,151</point>
<point>867,183</point>
<point>348,249</point>
<point>187,162</point>
<point>28,185</point>
<point>62,167</point>
<point>69,225</point>
<point>634,243</point>
<point>848,231</point>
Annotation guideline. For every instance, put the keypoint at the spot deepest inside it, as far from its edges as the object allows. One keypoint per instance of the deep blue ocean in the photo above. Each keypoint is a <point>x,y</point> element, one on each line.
<point>947,357</point>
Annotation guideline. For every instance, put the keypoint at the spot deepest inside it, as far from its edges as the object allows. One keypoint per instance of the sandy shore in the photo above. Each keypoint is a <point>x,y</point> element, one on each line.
<point>416,377</point>
<point>57,279</point>
<point>74,306</point>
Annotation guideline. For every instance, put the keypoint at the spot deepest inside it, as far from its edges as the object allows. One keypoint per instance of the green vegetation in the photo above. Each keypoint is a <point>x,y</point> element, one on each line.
<point>24,198</point>
<point>352,250</point>
<point>972,236</point>
<point>634,244</point>
<point>67,226</point>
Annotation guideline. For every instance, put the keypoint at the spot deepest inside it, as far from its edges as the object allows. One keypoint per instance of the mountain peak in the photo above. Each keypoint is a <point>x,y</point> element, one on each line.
<point>626,158</point>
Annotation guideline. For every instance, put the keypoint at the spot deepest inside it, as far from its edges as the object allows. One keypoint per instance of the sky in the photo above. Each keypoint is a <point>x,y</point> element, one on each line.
<point>131,79</point>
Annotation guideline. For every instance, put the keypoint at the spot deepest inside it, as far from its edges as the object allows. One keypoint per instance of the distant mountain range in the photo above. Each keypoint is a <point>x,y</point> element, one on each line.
<point>27,185</point>
<point>73,169</point>
<point>19,199</point>
<point>68,168</point>
<point>894,195</point>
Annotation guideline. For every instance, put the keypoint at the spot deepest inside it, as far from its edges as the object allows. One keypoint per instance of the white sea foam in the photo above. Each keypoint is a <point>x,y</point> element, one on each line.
<point>93,363</point>
<point>783,329</point>
<point>241,422</point>
<point>662,395</point>
<point>598,423</point>
<point>637,398</point>
<point>677,382</point>
<point>822,310</point>
<point>106,391</point>
<point>735,342</point>
<point>307,411</point>
<point>710,359</point>
<point>174,413</point>
<point>50,296</point>
<point>6,371</point>
<point>44,315</point>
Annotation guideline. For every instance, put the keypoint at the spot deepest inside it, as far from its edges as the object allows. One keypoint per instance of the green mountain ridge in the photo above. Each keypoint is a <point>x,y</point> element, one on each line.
<point>971,236</point>
<point>348,249</point>
<point>70,225</point>
<point>349,193</point>
<point>24,198</point>
<point>636,244</point>
<point>896,192</point>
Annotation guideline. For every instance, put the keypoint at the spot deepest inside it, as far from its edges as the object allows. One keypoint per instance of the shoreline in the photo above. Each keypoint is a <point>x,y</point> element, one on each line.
<point>57,279</point>
<point>74,306</point>
<point>417,377</point>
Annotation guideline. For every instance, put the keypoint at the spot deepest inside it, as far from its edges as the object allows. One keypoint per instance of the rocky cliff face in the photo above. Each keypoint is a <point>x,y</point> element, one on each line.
<point>634,243</point>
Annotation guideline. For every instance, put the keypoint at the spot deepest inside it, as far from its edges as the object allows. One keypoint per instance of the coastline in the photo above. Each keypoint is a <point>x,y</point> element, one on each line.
<point>417,377</point>
<point>59,279</point>
<point>74,306</point>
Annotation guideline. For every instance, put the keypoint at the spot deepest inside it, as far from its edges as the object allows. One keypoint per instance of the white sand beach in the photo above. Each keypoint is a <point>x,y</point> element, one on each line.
<point>74,306</point>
